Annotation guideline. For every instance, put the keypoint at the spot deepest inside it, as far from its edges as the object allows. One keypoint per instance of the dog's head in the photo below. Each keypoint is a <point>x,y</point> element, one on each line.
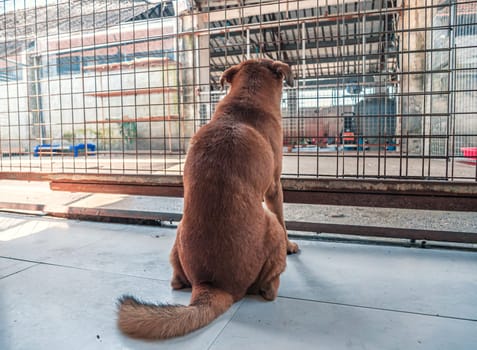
<point>281,71</point>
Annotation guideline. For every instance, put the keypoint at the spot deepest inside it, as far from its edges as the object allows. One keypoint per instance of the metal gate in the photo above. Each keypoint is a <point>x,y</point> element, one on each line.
<point>110,92</point>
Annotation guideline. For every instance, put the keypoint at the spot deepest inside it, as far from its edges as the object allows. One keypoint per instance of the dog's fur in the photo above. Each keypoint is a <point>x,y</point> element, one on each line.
<point>228,244</point>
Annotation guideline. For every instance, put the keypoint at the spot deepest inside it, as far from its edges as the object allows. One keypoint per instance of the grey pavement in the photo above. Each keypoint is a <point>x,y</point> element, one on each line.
<point>59,281</point>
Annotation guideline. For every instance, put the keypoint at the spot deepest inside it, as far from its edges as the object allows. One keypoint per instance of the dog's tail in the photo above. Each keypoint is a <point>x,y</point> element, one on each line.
<point>151,321</point>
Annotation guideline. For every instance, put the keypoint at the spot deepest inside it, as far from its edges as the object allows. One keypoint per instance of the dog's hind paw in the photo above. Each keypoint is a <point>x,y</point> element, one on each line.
<point>177,283</point>
<point>292,247</point>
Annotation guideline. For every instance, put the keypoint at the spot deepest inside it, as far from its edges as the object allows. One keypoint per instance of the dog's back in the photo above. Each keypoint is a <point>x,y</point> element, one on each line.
<point>229,166</point>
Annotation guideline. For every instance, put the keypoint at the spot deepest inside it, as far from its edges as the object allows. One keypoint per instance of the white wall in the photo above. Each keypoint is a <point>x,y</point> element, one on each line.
<point>14,117</point>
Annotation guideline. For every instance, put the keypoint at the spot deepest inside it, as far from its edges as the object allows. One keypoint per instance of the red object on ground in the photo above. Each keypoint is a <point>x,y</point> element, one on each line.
<point>469,152</point>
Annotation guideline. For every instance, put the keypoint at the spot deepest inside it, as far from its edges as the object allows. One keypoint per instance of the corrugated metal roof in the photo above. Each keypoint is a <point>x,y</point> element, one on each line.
<point>21,27</point>
<point>342,38</point>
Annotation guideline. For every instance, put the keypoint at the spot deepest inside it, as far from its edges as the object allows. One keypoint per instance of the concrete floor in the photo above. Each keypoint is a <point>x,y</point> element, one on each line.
<point>59,280</point>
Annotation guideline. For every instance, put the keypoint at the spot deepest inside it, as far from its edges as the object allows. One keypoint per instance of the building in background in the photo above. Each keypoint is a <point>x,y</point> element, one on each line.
<point>87,72</point>
<point>133,76</point>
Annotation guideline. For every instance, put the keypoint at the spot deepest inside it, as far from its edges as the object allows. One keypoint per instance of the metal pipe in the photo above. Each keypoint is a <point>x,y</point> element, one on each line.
<point>303,51</point>
<point>248,43</point>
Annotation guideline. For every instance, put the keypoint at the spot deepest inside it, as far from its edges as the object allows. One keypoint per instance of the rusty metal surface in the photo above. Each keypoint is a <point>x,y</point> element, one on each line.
<point>115,215</point>
<point>432,195</point>
<point>384,194</point>
<point>384,232</point>
<point>132,189</point>
<point>366,193</point>
<point>22,207</point>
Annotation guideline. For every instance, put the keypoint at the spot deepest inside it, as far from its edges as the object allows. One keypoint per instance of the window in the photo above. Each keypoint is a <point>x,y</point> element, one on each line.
<point>68,64</point>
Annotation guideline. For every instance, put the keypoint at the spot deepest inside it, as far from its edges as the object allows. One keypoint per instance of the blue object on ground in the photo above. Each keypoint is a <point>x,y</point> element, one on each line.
<point>58,149</point>
<point>91,147</point>
<point>45,147</point>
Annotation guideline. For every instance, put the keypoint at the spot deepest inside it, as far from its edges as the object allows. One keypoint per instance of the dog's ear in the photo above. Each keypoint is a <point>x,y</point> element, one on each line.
<point>228,75</point>
<point>285,71</point>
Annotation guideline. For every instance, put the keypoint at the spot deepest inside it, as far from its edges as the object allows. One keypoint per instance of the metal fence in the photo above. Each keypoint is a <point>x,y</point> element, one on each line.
<point>385,89</point>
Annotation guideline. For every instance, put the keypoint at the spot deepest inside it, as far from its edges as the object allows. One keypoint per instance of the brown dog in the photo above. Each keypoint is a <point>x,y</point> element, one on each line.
<point>227,243</point>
